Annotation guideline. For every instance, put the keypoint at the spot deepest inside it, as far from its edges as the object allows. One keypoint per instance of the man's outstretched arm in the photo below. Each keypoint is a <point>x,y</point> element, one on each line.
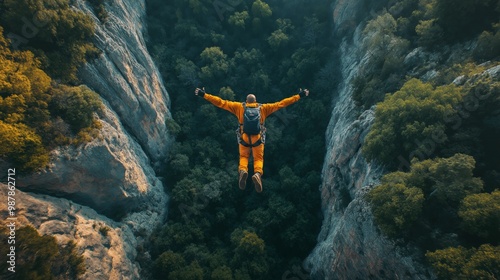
<point>230,106</point>
<point>270,108</point>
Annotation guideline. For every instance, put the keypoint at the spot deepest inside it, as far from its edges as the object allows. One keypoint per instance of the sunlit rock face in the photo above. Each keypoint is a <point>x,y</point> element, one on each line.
<point>125,75</point>
<point>109,183</point>
<point>108,247</point>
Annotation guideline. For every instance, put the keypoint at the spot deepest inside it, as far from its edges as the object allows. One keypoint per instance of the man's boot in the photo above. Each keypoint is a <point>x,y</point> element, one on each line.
<point>243,179</point>
<point>257,182</point>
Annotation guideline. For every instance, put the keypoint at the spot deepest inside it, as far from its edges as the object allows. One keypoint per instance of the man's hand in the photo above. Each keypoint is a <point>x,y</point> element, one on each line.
<point>197,91</point>
<point>304,92</point>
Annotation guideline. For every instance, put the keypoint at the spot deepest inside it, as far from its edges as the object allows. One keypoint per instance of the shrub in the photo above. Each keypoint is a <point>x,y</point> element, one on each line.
<point>40,257</point>
<point>432,185</point>
<point>395,206</point>
<point>462,263</point>
<point>480,214</point>
<point>409,118</point>
<point>488,45</point>
<point>59,33</point>
<point>239,19</point>
<point>430,33</point>
<point>76,105</point>
<point>20,145</point>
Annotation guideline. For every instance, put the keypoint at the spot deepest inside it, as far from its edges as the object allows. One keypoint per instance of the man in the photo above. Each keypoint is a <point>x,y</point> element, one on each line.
<point>251,132</point>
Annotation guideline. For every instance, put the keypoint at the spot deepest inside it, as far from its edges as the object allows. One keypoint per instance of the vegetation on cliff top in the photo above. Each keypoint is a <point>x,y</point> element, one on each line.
<point>41,47</point>
<point>442,137</point>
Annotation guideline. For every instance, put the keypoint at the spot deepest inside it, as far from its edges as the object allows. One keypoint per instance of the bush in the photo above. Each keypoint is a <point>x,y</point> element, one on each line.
<point>433,188</point>
<point>57,31</point>
<point>23,147</point>
<point>408,119</point>
<point>239,19</point>
<point>488,45</point>
<point>462,263</point>
<point>76,105</point>
<point>261,9</point>
<point>430,33</point>
<point>40,257</point>
<point>396,207</point>
<point>480,214</point>
<point>380,74</point>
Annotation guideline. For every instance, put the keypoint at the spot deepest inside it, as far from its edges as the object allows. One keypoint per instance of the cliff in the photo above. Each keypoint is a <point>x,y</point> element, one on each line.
<point>109,182</point>
<point>350,246</point>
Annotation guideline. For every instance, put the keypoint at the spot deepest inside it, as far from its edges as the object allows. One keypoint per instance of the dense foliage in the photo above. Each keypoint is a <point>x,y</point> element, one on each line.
<point>439,204</point>
<point>214,230</point>
<point>442,136</point>
<point>431,25</point>
<point>58,34</point>
<point>407,118</point>
<point>40,257</point>
<point>38,114</point>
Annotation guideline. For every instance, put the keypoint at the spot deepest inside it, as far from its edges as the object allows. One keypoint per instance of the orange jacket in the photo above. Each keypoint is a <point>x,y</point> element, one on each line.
<point>237,107</point>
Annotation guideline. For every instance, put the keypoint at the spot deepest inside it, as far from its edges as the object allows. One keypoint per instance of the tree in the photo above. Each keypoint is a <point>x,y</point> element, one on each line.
<point>191,272</point>
<point>488,45</point>
<point>249,253</point>
<point>411,122</point>
<point>429,32</point>
<point>453,179</point>
<point>41,257</point>
<point>21,146</point>
<point>404,198</point>
<point>222,273</point>
<point>239,19</point>
<point>277,39</point>
<point>261,9</point>
<point>168,262</point>
<point>385,52</point>
<point>216,63</point>
<point>76,105</point>
<point>396,207</point>
<point>462,263</point>
<point>480,214</point>
<point>61,33</point>
<point>463,18</point>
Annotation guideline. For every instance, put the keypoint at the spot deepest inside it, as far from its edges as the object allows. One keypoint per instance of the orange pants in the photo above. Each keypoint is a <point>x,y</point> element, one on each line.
<point>257,152</point>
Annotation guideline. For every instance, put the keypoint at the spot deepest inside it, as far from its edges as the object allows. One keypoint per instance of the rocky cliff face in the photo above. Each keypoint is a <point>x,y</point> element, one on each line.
<point>109,182</point>
<point>349,245</point>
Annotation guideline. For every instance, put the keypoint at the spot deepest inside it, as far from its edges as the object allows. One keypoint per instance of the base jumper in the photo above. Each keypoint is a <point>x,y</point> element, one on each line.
<point>251,131</point>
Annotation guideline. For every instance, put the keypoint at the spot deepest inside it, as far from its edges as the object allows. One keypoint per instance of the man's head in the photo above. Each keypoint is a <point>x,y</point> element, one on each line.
<point>251,98</point>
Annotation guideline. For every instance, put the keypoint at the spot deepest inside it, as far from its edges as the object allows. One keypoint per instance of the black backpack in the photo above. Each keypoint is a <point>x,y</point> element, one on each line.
<point>251,120</point>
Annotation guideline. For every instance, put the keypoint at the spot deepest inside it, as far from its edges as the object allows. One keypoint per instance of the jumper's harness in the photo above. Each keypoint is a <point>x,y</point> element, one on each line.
<point>239,133</point>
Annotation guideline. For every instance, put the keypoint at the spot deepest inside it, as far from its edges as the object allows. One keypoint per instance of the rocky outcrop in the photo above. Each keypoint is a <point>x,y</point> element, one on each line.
<point>109,182</point>
<point>108,247</point>
<point>111,174</point>
<point>125,75</point>
<point>350,245</point>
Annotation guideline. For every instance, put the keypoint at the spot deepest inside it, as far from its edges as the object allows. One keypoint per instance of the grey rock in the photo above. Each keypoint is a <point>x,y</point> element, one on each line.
<point>350,246</point>
<point>111,174</point>
<point>108,254</point>
<point>125,75</point>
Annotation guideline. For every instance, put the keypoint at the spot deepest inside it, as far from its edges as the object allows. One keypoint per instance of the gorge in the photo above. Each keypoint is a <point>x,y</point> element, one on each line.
<point>115,195</point>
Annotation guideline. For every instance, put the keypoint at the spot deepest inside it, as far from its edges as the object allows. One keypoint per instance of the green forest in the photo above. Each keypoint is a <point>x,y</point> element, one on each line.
<point>271,49</point>
<point>440,148</point>
<point>438,139</point>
